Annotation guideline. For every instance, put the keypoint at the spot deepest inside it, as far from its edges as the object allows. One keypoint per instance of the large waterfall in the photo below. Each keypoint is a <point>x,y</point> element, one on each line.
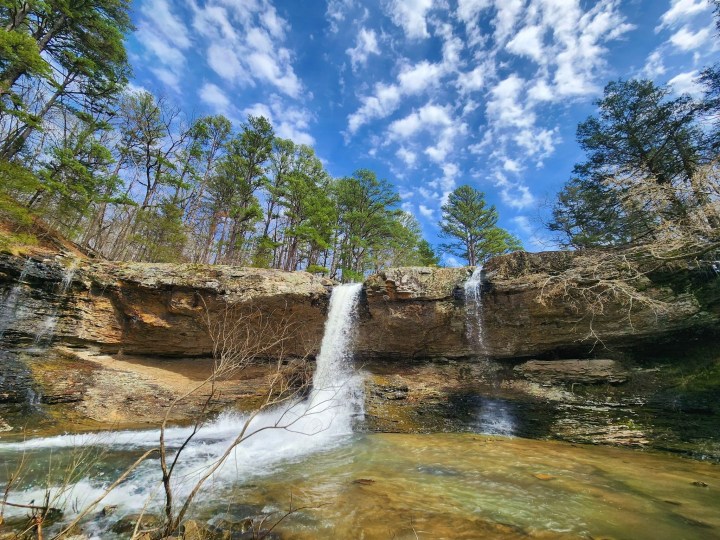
<point>321,421</point>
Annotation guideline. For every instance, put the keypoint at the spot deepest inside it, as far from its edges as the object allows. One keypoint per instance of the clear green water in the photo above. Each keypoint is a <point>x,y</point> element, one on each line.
<point>381,486</point>
<point>470,486</point>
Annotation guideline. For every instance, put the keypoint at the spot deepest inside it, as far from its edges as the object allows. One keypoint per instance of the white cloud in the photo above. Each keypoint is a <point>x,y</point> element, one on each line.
<point>383,103</point>
<point>365,45</point>
<point>468,10</point>
<point>475,79</point>
<point>528,42</point>
<point>446,142</point>
<point>274,24</point>
<point>511,165</point>
<point>540,91</point>
<point>427,117</point>
<point>409,157</point>
<point>244,43</point>
<point>410,15</point>
<point>514,194</point>
<point>165,23</point>
<point>537,142</point>
<point>429,213</point>
<point>681,10</point>
<point>566,40</point>
<point>687,83</point>
<point>414,79</point>
<point>225,63</point>
<point>505,106</point>
<point>654,65</point>
<point>168,77</point>
<point>266,67</point>
<point>163,50</point>
<point>289,122</point>
<point>165,38</point>
<point>214,96</point>
<point>687,40</point>
<point>336,13</point>
<point>508,15</point>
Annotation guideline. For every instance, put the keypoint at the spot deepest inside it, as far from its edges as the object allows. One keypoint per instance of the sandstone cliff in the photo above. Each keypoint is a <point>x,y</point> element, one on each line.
<point>544,305</point>
<point>152,309</point>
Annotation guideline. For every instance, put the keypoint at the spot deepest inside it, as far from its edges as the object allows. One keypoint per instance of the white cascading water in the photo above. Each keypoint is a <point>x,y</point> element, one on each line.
<point>494,418</point>
<point>473,309</point>
<point>46,330</point>
<point>8,311</point>
<point>322,421</point>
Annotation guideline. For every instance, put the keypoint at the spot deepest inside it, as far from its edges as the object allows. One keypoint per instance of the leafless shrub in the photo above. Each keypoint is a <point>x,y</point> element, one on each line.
<point>685,232</point>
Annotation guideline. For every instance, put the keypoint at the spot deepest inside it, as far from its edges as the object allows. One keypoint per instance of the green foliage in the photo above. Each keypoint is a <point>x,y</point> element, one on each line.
<point>640,135</point>
<point>160,234</point>
<point>125,174</point>
<point>367,220</point>
<point>16,218</point>
<point>83,41</point>
<point>470,226</point>
<point>316,269</point>
<point>16,180</point>
<point>710,78</point>
<point>77,176</point>
<point>426,254</point>
<point>640,132</point>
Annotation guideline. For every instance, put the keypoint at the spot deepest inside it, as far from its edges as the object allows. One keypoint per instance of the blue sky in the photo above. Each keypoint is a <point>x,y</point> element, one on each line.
<point>430,94</point>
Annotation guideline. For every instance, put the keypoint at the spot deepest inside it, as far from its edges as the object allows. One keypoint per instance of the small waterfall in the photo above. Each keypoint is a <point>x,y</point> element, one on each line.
<point>496,417</point>
<point>473,309</point>
<point>8,310</point>
<point>46,329</point>
<point>322,421</point>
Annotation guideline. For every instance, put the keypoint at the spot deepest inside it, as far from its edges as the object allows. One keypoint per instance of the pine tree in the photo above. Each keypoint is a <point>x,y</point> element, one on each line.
<point>470,226</point>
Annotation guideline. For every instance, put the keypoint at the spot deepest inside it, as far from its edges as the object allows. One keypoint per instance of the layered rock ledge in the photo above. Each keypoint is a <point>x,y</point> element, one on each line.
<point>551,304</point>
<point>154,309</point>
<point>544,306</point>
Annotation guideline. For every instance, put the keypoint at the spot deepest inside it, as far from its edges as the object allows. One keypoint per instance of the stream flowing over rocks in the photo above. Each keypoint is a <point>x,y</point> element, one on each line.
<point>100,344</point>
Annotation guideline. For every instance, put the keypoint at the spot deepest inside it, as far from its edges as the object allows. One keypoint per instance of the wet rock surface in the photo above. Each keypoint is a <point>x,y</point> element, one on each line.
<point>658,405</point>
<point>84,342</point>
<point>406,313</point>
<point>596,371</point>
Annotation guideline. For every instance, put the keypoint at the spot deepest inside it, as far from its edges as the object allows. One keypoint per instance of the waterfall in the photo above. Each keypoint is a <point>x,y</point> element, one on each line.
<point>333,381</point>
<point>46,330</point>
<point>473,309</point>
<point>8,310</point>
<point>496,417</point>
<point>322,421</point>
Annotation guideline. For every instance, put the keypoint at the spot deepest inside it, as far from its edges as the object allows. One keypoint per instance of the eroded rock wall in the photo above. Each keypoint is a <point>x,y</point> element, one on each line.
<point>157,309</point>
<point>550,304</point>
<point>533,305</point>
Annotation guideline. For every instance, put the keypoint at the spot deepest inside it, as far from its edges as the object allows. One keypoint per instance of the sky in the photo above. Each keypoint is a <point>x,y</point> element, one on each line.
<point>429,94</point>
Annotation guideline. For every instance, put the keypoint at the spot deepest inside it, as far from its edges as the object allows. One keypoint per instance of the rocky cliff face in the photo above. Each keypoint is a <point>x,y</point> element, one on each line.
<point>416,341</point>
<point>543,305</point>
<point>154,309</point>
